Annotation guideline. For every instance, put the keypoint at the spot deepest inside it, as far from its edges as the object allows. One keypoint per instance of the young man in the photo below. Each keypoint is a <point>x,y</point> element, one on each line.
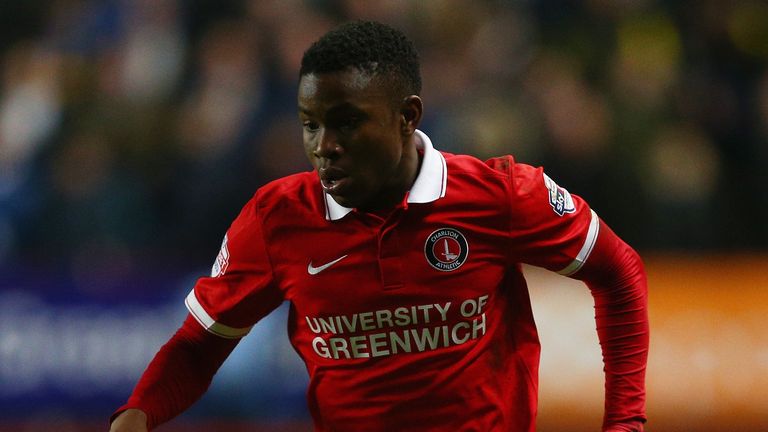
<point>402,268</point>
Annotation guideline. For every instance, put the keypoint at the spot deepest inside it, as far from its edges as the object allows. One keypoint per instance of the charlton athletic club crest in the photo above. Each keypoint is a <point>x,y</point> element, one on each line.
<point>446,249</point>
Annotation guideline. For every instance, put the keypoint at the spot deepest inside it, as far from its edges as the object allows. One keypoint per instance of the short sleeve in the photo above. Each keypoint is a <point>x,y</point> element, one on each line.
<point>240,290</point>
<point>549,227</point>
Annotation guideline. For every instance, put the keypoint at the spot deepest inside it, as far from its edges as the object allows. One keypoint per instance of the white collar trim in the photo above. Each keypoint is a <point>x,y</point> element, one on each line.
<point>430,183</point>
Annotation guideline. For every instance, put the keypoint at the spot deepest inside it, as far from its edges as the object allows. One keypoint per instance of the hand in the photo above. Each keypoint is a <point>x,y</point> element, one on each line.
<point>130,420</point>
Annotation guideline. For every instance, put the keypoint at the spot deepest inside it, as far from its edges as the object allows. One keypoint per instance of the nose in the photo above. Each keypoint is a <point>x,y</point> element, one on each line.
<point>327,145</point>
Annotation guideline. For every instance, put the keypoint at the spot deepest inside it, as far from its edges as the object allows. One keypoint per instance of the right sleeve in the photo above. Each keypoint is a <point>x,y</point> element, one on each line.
<point>179,374</point>
<point>241,288</point>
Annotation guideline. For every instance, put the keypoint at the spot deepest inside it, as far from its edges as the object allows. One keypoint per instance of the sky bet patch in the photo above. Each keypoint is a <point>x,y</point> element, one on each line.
<point>559,198</point>
<point>222,260</point>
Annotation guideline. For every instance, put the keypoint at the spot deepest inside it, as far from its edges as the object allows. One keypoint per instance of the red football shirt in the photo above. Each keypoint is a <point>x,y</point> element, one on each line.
<point>415,320</point>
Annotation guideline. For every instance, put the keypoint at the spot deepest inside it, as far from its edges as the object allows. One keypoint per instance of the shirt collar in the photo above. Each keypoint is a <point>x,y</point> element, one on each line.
<point>430,183</point>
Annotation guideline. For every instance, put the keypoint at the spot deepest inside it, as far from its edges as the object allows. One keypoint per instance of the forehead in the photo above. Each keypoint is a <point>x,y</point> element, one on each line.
<point>325,90</point>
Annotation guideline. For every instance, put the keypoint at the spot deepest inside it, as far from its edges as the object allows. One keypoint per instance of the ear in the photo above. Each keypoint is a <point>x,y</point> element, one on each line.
<point>410,114</point>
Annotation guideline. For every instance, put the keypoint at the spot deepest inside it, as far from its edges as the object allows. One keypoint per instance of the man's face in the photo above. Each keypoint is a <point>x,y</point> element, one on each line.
<point>353,136</point>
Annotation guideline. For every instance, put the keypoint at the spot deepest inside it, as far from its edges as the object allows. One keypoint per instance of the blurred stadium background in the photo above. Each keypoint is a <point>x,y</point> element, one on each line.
<point>131,132</point>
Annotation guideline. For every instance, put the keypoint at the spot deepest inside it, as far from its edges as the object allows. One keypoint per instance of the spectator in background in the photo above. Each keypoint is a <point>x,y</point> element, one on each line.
<point>602,93</point>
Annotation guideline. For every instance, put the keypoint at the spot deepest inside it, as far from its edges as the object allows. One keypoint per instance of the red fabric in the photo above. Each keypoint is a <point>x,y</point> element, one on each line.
<point>617,280</point>
<point>634,426</point>
<point>390,340</point>
<point>179,374</point>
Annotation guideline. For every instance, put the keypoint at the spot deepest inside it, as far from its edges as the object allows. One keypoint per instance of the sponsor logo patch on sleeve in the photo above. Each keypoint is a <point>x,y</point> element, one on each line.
<point>559,198</point>
<point>222,260</point>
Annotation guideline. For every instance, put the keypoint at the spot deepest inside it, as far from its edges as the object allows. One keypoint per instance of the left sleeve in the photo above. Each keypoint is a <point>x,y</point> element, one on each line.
<point>553,229</point>
<point>616,277</point>
<point>549,227</point>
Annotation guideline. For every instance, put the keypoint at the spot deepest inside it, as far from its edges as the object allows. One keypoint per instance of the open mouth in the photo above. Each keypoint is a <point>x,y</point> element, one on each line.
<point>333,179</point>
<point>330,185</point>
<point>335,187</point>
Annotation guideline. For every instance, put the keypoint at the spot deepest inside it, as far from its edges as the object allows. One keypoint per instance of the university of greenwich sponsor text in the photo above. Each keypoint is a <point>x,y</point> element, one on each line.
<point>405,329</point>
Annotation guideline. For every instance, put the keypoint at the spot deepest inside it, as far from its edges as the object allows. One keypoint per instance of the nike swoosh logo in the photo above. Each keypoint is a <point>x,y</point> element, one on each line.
<point>315,270</point>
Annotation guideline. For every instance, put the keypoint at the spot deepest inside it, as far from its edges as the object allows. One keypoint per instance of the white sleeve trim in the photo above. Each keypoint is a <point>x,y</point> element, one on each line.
<point>586,249</point>
<point>197,311</point>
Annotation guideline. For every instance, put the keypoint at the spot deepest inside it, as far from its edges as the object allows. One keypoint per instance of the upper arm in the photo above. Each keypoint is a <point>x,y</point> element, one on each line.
<point>241,288</point>
<point>549,226</point>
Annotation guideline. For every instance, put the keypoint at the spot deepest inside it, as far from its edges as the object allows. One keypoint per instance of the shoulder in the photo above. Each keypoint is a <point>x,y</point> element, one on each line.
<point>463,165</point>
<point>294,186</point>
<point>293,194</point>
<point>505,169</point>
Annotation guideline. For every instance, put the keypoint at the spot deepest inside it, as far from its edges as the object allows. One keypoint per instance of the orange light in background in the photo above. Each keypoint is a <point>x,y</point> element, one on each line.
<point>708,363</point>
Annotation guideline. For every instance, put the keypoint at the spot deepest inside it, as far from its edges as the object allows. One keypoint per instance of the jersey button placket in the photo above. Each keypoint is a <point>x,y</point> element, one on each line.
<point>390,255</point>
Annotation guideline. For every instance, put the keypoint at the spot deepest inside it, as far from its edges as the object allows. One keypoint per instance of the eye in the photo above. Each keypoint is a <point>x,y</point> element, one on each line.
<point>310,126</point>
<point>349,124</point>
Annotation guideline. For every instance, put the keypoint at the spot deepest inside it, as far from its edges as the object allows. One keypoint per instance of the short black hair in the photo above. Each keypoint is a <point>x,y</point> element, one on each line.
<point>370,47</point>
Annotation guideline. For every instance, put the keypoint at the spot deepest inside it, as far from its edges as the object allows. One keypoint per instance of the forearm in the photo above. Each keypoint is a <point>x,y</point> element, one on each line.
<point>618,284</point>
<point>622,327</point>
<point>179,374</point>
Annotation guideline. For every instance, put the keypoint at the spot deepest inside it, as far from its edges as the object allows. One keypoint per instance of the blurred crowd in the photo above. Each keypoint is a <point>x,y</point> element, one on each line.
<point>133,131</point>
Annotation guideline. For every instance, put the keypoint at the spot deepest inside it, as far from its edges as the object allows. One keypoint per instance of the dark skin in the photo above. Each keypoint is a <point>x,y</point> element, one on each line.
<point>359,138</point>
